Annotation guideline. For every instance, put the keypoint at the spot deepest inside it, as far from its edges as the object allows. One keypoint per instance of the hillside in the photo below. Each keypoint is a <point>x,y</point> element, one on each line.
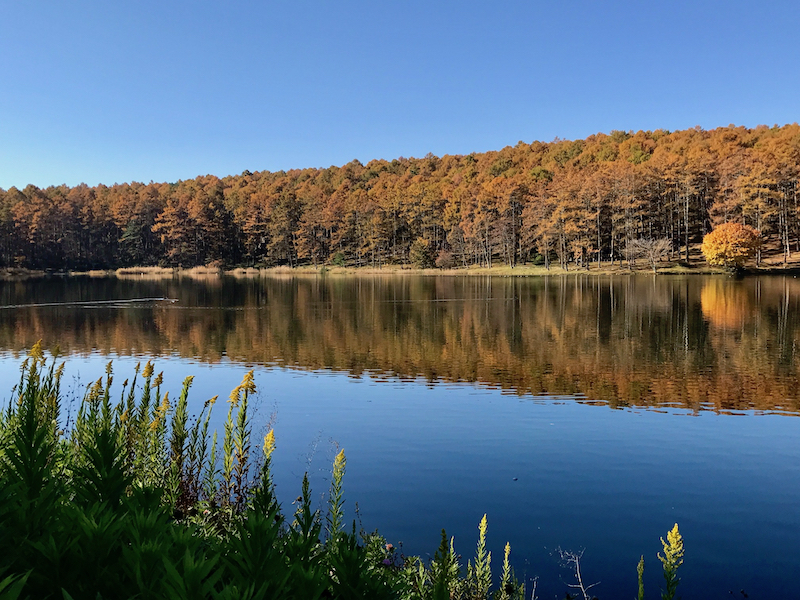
<point>572,203</point>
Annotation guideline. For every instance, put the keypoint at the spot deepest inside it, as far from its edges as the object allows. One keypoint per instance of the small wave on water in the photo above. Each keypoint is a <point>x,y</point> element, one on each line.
<point>119,303</point>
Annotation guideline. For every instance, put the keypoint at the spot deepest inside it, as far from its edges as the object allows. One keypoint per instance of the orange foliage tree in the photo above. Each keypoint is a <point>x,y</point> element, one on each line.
<point>730,245</point>
<point>576,201</point>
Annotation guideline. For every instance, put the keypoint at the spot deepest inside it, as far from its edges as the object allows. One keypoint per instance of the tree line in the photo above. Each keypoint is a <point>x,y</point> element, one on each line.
<point>574,202</point>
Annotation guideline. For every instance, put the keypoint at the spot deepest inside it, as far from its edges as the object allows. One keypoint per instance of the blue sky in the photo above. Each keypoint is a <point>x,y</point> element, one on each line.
<point>105,92</point>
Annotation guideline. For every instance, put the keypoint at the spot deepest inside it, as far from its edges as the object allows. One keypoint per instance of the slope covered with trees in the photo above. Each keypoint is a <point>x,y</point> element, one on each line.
<point>574,202</point>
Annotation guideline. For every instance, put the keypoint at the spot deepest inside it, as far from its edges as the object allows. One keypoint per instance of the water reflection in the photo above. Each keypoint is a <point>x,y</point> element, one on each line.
<point>694,342</point>
<point>726,304</point>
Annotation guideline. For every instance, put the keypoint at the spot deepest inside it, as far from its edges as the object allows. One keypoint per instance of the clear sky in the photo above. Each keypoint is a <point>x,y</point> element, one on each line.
<point>114,91</point>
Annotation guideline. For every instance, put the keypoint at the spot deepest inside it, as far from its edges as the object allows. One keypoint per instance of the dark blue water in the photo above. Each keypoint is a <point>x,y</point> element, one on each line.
<point>550,471</point>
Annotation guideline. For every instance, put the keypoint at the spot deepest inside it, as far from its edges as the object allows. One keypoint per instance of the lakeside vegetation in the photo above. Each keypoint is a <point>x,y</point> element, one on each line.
<point>136,498</point>
<point>572,203</point>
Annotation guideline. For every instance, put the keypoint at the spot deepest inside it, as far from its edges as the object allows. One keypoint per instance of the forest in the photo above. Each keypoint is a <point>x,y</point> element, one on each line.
<point>574,203</point>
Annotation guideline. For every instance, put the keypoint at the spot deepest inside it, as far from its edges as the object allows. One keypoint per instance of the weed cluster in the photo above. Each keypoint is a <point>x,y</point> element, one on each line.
<point>132,500</point>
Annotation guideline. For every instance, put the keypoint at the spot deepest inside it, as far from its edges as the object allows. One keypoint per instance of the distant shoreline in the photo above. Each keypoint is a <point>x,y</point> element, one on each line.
<point>18,274</point>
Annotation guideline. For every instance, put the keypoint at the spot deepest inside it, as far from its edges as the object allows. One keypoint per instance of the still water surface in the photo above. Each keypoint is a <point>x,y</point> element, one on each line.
<point>582,413</point>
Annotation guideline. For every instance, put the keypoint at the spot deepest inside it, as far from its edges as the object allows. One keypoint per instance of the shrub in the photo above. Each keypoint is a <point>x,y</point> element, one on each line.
<point>420,254</point>
<point>730,245</point>
<point>445,260</point>
<point>338,259</point>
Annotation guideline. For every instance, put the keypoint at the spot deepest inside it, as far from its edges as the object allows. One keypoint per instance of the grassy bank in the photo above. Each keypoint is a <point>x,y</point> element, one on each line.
<point>500,270</point>
<point>772,264</point>
<point>137,499</point>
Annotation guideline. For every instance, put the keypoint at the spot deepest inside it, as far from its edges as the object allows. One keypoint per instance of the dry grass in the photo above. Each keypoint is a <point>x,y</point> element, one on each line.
<point>498,270</point>
<point>772,263</point>
<point>15,273</point>
<point>244,272</point>
<point>202,270</point>
<point>144,271</point>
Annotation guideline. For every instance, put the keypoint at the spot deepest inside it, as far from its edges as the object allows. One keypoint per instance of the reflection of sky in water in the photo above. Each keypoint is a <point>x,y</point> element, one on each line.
<point>424,457</point>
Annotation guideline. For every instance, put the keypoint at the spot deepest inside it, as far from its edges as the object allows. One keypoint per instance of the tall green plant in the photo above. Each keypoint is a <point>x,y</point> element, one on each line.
<point>640,578</point>
<point>335,516</point>
<point>506,585</point>
<point>671,560</point>
<point>479,575</point>
<point>179,433</point>
<point>444,570</point>
<point>236,443</point>
<point>198,454</point>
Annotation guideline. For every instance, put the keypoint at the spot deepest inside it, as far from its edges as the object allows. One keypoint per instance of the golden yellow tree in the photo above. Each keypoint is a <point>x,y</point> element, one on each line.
<point>730,245</point>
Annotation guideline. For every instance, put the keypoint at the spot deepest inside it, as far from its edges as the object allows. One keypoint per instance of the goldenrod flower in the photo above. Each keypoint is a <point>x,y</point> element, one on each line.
<point>673,548</point>
<point>484,525</point>
<point>148,370</point>
<point>269,443</point>
<point>164,406</point>
<point>248,386</point>
<point>95,390</point>
<point>672,559</point>
<point>161,412</point>
<point>36,351</point>
<point>339,464</point>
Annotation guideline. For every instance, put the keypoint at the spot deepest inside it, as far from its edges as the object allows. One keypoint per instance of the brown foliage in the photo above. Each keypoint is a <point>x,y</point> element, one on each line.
<point>577,202</point>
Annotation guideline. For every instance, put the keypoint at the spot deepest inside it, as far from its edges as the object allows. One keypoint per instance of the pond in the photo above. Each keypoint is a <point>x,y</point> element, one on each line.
<point>582,412</point>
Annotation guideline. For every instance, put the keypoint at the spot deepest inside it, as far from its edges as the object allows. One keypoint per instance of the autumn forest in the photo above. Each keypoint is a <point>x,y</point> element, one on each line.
<point>573,203</point>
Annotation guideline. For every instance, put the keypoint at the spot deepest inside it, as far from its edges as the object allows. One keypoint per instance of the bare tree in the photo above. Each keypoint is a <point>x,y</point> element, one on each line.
<point>653,249</point>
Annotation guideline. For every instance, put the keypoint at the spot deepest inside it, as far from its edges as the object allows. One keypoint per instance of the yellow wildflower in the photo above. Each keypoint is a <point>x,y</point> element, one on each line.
<point>248,386</point>
<point>673,549</point>
<point>36,351</point>
<point>154,424</point>
<point>339,463</point>
<point>161,412</point>
<point>148,370</point>
<point>269,443</point>
<point>164,407</point>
